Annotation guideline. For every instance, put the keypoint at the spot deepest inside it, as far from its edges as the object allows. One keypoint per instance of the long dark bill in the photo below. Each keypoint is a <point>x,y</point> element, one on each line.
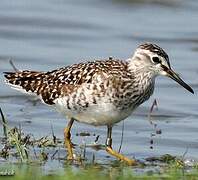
<point>175,77</point>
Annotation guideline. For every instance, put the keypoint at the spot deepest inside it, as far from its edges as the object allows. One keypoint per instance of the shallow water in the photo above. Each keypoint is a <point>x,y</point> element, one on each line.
<point>43,35</point>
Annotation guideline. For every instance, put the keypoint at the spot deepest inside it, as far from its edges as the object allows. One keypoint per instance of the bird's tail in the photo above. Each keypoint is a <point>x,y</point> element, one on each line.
<point>25,81</point>
<point>34,83</point>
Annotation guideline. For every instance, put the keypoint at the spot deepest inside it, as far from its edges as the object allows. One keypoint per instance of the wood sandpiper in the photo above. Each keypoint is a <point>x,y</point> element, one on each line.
<point>101,92</point>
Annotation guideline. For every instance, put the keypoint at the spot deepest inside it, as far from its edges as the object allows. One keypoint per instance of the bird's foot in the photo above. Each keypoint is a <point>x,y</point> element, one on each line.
<point>71,156</point>
<point>130,162</point>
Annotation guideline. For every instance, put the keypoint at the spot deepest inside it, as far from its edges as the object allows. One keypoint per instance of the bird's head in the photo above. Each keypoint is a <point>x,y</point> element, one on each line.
<point>152,58</point>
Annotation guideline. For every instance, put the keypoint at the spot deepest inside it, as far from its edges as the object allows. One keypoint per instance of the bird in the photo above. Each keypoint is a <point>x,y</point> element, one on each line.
<point>100,92</point>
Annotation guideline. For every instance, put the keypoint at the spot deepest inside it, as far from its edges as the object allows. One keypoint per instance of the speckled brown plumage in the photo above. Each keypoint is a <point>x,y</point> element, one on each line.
<point>57,83</point>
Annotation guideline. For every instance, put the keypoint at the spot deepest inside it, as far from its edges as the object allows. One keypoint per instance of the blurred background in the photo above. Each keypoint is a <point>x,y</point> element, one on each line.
<point>44,35</point>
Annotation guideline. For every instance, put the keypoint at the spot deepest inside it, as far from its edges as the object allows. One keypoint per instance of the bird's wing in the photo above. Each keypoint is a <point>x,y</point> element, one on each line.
<point>78,74</point>
<point>53,84</point>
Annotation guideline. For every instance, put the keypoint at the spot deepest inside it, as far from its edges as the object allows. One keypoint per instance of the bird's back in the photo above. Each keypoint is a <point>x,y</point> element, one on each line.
<point>54,84</point>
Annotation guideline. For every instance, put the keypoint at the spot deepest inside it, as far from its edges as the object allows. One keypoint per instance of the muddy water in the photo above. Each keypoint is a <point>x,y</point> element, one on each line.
<point>43,35</point>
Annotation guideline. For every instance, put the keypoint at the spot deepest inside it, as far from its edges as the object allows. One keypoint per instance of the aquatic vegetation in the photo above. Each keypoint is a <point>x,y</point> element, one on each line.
<point>26,149</point>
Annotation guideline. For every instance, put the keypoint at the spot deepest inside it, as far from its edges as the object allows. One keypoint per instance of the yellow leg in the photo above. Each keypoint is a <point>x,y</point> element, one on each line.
<point>68,143</point>
<point>119,156</point>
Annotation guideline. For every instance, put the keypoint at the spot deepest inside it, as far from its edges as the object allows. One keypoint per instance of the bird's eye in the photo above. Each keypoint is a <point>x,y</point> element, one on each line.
<point>156,60</point>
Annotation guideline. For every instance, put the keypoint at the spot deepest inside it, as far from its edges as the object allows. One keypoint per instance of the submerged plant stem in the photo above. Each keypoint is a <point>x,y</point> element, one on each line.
<point>4,122</point>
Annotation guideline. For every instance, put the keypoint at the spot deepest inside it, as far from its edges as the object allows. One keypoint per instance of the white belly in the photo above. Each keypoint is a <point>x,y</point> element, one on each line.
<point>96,114</point>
